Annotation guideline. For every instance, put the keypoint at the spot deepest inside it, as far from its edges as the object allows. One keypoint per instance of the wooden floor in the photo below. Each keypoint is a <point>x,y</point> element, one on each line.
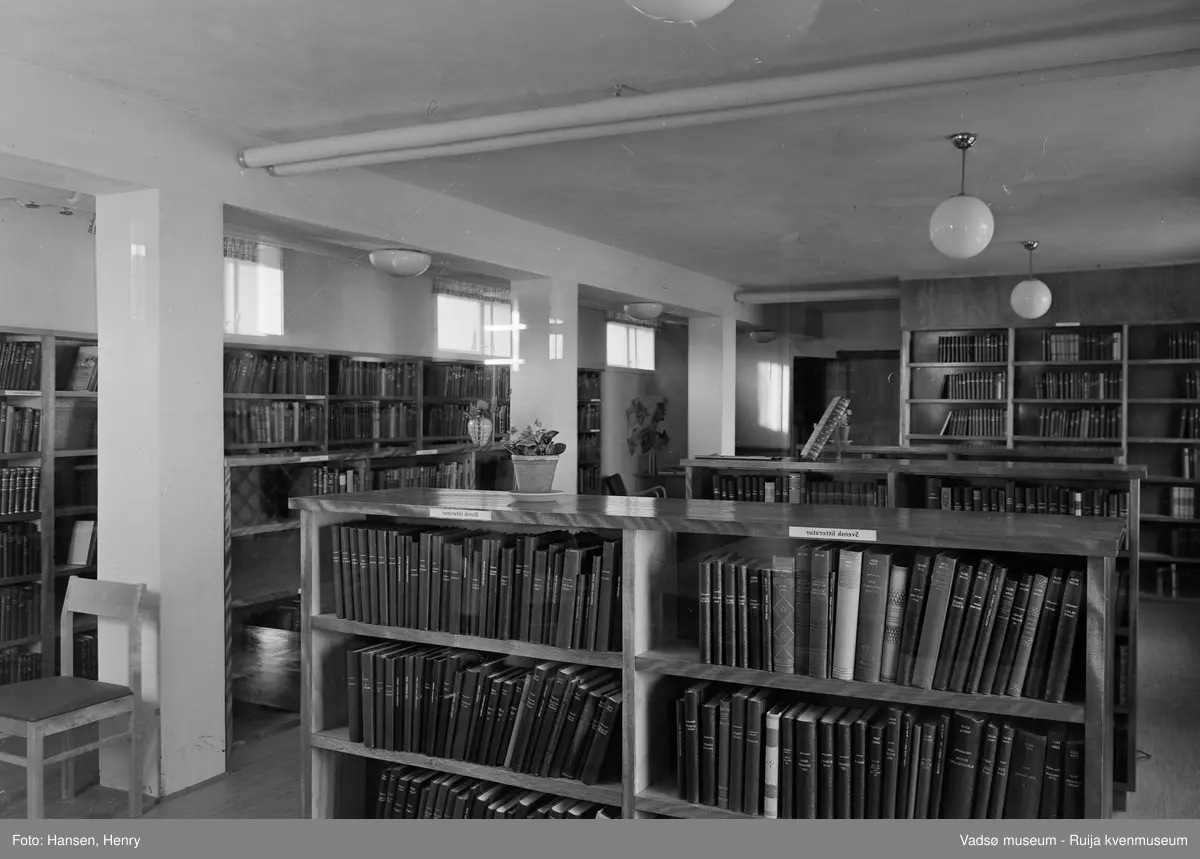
<point>265,782</point>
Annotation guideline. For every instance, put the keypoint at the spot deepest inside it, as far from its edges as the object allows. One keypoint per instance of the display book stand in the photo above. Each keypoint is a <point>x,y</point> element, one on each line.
<point>661,542</point>
<point>48,434</point>
<point>919,482</point>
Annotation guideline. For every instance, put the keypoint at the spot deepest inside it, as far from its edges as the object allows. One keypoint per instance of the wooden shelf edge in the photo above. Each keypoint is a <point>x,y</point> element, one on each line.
<point>265,597</point>
<point>329,623</point>
<point>659,799</point>
<point>19,642</point>
<point>265,528</point>
<point>337,740</point>
<point>676,661</point>
<point>62,570</point>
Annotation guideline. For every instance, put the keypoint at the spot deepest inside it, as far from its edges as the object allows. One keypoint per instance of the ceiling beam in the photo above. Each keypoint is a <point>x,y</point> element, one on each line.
<point>789,295</point>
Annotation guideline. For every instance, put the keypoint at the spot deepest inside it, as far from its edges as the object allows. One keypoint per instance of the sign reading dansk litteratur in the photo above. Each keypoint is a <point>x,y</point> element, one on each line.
<point>467,515</point>
<point>849,535</point>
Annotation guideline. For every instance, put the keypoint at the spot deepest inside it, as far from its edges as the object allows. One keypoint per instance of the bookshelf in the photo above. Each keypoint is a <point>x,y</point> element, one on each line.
<point>589,424</point>
<point>985,488</point>
<point>663,543</point>
<point>47,492</point>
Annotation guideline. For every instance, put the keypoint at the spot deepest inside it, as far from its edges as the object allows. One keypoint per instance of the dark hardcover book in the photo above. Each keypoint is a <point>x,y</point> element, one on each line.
<point>607,726</point>
<point>555,741</point>
<point>548,715</point>
<point>1012,637</point>
<point>987,623</point>
<point>860,740</point>
<point>807,769</point>
<point>568,596</point>
<point>948,653</point>
<point>737,748</point>
<point>608,609</point>
<point>1064,639</point>
<point>987,771</point>
<point>693,700</point>
<point>505,592</point>
<point>928,734</point>
<point>710,719</point>
<point>354,696</point>
<point>491,714</point>
<point>831,629</point>
<point>963,749</point>
<point>876,748</point>
<point>705,618</point>
<point>1052,774</point>
<point>999,798</point>
<point>803,606</point>
<point>755,750</point>
<point>585,731</point>
<point>371,576</point>
<point>843,764</point>
<point>752,653</point>
<point>729,614</point>
<point>1043,642</point>
<point>824,561</point>
<point>467,688</point>
<point>908,740</point>
<point>524,725</point>
<point>719,654</point>
<point>933,624</point>
<point>1072,789</point>
<point>767,617</point>
<point>827,761</point>
<point>872,611</point>
<point>456,567</point>
<point>891,763</point>
<point>1025,771</point>
<point>742,584</point>
<point>1033,615</point>
<point>783,614</point>
<point>914,612</point>
<point>339,584</point>
<point>991,662</point>
<point>964,658</point>
<point>539,579</point>
<point>940,746</point>
<point>681,760</point>
<point>787,761</point>
<point>724,717</point>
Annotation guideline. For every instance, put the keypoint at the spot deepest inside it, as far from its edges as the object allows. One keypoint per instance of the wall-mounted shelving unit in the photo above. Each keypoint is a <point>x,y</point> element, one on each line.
<point>589,430</point>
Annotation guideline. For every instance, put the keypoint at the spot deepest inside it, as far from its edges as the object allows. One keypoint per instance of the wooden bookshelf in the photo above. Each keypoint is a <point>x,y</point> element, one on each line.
<point>905,483</point>
<point>662,541</point>
<point>48,435</point>
<point>589,423</point>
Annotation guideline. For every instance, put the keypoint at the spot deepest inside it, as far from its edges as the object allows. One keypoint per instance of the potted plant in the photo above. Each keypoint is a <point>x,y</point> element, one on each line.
<point>643,418</point>
<point>534,456</point>
<point>479,424</point>
<point>842,427</point>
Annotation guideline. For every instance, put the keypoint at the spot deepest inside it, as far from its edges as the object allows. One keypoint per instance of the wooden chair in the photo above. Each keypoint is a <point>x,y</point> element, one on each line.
<point>614,484</point>
<point>36,709</point>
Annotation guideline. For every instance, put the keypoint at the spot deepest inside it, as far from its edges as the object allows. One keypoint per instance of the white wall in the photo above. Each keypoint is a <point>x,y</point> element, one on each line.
<point>47,270</point>
<point>593,339</point>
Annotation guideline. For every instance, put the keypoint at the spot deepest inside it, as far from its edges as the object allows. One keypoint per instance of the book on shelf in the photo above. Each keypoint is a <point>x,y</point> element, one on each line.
<point>1183,345</point>
<point>988,348</point>
<point>20,612</point>
<point>20,490</point>
<point>781,756</point>
<point>551,719</point>
<point>976,421</point>
<point>1095,422</point>
<point>1182,502</point>
<point>1078,385</point>
<point>18,666</point>
<point>20,550</point>
<point>414,793</point>
<point>85,371</point>
<point>834,413</point>
<point>550,588</point>
<point>976,385</point>
<point>291,373</point>
<point>1091,345</point>
<point>250,422</point>
<point>82,549</point>
<point>1184,543</point>
<point>20,429</point>
<point>329,480</point>
<point>1189,423</point>
<point>816,489</point>
<point>769,488</point>
<point>934,620</point>
<point>75,424</point>
<point>441,475</point>
<point>589,385</point>
<point>20,365</point>
<point>1019,497</point>
<point>357,377</point>
<point>86,659</point>
<point>371,421</point>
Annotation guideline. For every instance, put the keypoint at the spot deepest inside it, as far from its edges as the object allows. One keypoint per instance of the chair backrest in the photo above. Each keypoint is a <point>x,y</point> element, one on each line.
<point>111,600</point>
<point>613,484</point>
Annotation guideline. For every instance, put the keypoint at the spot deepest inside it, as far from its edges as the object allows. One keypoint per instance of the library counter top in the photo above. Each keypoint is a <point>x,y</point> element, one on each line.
<point>1001,532</point>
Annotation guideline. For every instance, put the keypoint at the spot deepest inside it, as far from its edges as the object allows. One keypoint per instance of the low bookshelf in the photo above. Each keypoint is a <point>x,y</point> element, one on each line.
<point>1025,489</point>
<point>675,660</point>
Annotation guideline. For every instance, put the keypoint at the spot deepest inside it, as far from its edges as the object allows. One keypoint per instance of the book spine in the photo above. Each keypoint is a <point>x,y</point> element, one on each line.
<point>783,614</point>
<point>872,616</point>
<point>845,643</point>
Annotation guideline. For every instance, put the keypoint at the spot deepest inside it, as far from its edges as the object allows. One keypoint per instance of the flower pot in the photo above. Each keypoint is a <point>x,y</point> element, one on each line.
<point>479,430</point>
<point>534,473</point>
<point>843,433</point>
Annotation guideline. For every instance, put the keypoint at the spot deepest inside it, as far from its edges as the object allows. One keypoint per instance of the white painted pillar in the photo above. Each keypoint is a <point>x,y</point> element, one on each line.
<point>712,383</point>
<point>544,385</point>
<point>161,487</point>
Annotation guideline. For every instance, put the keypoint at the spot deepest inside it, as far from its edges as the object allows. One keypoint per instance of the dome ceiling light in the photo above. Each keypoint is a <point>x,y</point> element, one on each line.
<point>962,226</point>
<point>1031,298</point>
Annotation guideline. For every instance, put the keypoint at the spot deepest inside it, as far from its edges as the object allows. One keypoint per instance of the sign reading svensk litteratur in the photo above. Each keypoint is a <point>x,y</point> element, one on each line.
<point>466,515</point>
<point>849,535</point>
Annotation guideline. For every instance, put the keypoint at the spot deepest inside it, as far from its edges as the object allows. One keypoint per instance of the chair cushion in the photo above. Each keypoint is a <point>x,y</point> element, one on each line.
<point>34,700</point>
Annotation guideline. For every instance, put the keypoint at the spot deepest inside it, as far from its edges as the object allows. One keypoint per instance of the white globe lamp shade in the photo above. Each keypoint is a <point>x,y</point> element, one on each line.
<point>961,227</point>
<point>1031,299</point>
<point>644,310</point>
<point>400,263</point>
<point>680,11</point>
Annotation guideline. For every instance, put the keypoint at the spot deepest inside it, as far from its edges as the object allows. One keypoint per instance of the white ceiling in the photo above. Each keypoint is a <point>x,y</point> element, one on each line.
<point>1101,171</point>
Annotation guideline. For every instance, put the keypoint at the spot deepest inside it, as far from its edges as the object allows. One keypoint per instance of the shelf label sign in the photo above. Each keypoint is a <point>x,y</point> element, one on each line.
<point>427,452</point>
<point>313,397</point>
<point>848,535</point>
<point>318,458</point>
<point>463,515</point>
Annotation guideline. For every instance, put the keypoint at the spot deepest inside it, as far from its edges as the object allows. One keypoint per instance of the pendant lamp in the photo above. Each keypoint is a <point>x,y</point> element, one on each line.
<point>400,262</point>
<point>962,226</point>
<point>644,311</point>
<point>680,11</point>
<point>1031,298</point>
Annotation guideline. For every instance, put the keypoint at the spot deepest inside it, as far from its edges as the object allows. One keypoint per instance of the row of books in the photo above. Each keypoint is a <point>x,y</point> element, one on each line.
<point>988,348</point>
<point>275,373</point>
<point>1182,502</point>
<point>1191,384</point>
<point>351,377</point>
<point>20,550</point>
<point>1183,344</point>
<point>1078,385</point>
<point>551,719</point>
<point>760,752</point>
<point>977,385</point>
<point>1014,497</point>
<point>769,488</point>
<point>274,422</point>
<point>1184,543</point>
<point>1189,423</point>
<point>590,479</point>
<point>85,370</point>
<point>19,666</point>
<point>412,793</point>
<point>20,490</point>
<point>20,429</point>
<point>589,385</point>
<point>811,489</point>
<point>368,421</point>
<point>1091,345</point>
<point>589,449</point>
<point>20,365</point>
<point>936,620</point>
<point>550,588</point>
<point>977,421</point>
<point>449,419</point>
<point>20,612</point>
<point>1121,687</point>
<point>86,656</point>
<point>75,424</point>
<point>1095,422</point>
<point>442,475</point>
<point>588,417</point>
<point>463,380</point>
<point>329,480</point>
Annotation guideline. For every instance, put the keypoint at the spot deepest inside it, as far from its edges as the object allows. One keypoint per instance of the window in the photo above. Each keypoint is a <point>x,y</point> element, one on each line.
<point>774,388</point>
<point>467,325</point>
<point>253,288</point>
<point>630,346</point>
